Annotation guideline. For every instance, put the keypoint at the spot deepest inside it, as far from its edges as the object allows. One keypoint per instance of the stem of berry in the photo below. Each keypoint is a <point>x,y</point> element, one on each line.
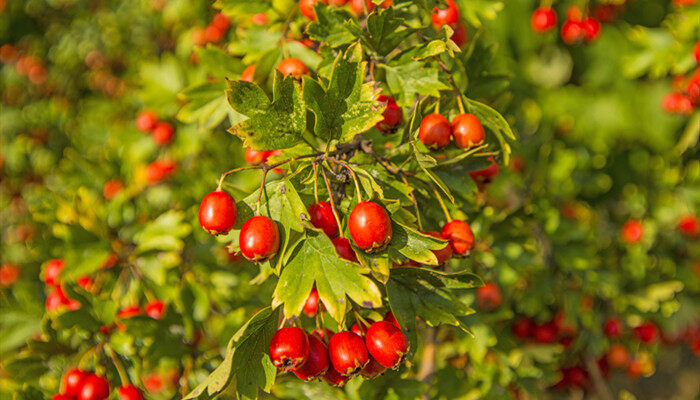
<point>262,188</point>
<point>315,167</point>
<point>442,203</point>
<point>330,198</point>
<point>458,93</point>
<point>123,376</point>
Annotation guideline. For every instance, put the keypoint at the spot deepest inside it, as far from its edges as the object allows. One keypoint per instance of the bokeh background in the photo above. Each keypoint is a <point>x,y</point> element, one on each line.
<point>594,219</point>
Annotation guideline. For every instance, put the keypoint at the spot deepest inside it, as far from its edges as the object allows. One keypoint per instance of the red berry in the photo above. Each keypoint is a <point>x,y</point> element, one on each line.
<point>73,381</point>
<point>434,131</point>
<point>389,317</point>
<point>344,249</point>
<point>52,272</point>
<point>130,392</point>
<point>607,12</point>
<point>324,334</point>
<point>574,13</point>
<point>311,305</point>
<point>576,376</point>
<point>632,231</point>
<point>111,188</point>
<point>129,311</point>
<point>217,213</point>
<point>591,29</point>
<point>154,309</point>
<point>617,356</point>
<point>467,131</point>
<point>221,21</point>
<point>259,238</point>
<point>373,369</point>
<point>634,369</point>
<point>159,170</point>
<point>259,19</point>
<point>445,16</point>
<point>306,7</point>
<point>677,103</point>
<point>460,35</point>
<point>60,396</point>
<point>386,343</point>
<point>646,333</point>
<point>247,75</point>
<point>333,377</point>
<point>613,327</point>
<point>94,388</point>
<point>337,3</point>
<point>163,133</point>
<point>57,299</point>
<point>348,353</point>
<point>255,157</point>
<point>546,333</point>
<point>289,348</point>
<point>572,32</point>
<point>485,176</point>
<point>321,215</point>
<point>696,52</point>
<point>392,114</point>
<point>460,235</point>
<point>488,296</point>
<point>146,121</point>
<point>523,328</point>
<point>370,226</point>
<point>8,274</point>
<point>360,327</point>
<point>213,33</point>
<point>316,363</point>
<point>689,225</point>
<point>543,19</point>
<point>85,282</point>
<point>443,254</point>
<point>292,66</point>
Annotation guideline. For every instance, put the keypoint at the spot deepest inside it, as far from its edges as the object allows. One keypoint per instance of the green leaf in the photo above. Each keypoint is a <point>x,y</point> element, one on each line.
<point>316,261</point>
<point>330,26</point>
<point>271,125</point>
<point>495,122</point>
<point>426,163</point>
<point>347,106</point>
<point>425,293</point>
<point>84,263</point>
<point>218,62</point>
<point>77,318</point>
<point>165,233</point>
<point>415,245</point>
<point>383,34</point>
<point>413,78</point>
<point>246,360</point>
<point>207,105</point>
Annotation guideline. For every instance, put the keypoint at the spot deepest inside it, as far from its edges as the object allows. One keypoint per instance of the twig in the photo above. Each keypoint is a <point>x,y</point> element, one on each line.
<point>330,197</point>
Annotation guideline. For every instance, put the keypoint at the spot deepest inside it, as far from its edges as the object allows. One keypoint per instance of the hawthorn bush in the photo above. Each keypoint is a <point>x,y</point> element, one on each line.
<point>204,200</point>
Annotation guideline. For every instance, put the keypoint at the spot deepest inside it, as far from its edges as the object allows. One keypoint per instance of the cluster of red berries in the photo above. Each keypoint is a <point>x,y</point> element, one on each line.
<point>57,298</point>
<point>30,66</point>
<point>576,29</point>
<point>450,16</point>
<point>336,358</point>
<point>554,330</point>
<point>435,131</point>
<point>84,385</point>
<point>685,96</point>
<point>162,132</point>
<point>214,32</point>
